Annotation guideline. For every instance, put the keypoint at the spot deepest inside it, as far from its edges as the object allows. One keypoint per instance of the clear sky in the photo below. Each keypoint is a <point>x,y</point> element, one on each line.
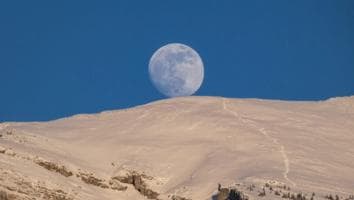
<point>59,58</point>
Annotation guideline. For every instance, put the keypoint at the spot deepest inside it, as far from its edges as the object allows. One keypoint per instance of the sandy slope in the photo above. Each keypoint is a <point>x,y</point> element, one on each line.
<point>184,146</point>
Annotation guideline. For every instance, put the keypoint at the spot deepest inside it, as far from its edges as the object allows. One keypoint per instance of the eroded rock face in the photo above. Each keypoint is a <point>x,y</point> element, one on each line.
<point>175,197</point>
<point>54,167</point>
<point>25,190</point>
<point>137,180</point>
<point>116,185</point>
<point>6,196</point>
<point>90,179</point>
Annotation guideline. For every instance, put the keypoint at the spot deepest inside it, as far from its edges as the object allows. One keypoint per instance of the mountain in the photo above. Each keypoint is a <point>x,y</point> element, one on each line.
<point>182,148</point>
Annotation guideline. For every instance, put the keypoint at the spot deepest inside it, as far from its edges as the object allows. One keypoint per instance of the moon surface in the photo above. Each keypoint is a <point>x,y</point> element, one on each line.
<point>176,70</point>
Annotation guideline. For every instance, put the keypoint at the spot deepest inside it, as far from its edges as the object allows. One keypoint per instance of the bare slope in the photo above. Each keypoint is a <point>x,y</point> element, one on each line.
<point>184,147</point>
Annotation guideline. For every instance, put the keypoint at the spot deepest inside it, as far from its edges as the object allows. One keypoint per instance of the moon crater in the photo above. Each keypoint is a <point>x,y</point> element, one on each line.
<point>176,70</point>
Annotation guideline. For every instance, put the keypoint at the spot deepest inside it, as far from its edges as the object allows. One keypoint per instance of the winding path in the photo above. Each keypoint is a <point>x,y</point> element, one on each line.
<point>265,133</point>
<point>282,152</point>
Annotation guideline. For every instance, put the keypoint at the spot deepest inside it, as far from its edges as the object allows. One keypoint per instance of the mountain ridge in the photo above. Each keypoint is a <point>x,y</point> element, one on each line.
<point>348,99</point>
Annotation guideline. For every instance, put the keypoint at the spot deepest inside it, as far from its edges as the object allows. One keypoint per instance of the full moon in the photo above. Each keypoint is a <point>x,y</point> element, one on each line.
<point>176,70</point>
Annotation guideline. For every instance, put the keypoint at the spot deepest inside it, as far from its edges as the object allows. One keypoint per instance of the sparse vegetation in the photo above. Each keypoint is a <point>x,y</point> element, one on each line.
<point>251,187</point>
<point>312,196</point>
<point>286,195</point>
<point>300,196</point>
<point>229,194</point>
<point>329,196</point>
<point>262,193</point>
<point>292,196</point>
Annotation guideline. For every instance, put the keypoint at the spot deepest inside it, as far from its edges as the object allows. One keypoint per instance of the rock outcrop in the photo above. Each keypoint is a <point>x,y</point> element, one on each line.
<point>137,180</point>
<point>229,194</point>
<point>54,167</point>
<point>90,179</point>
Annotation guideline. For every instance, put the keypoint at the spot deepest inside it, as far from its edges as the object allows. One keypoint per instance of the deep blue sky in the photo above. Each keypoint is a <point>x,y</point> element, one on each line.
<point>59,58</point>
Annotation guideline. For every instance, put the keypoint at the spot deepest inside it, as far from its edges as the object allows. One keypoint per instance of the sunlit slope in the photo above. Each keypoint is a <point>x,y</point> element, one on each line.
<point>188,145</point>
